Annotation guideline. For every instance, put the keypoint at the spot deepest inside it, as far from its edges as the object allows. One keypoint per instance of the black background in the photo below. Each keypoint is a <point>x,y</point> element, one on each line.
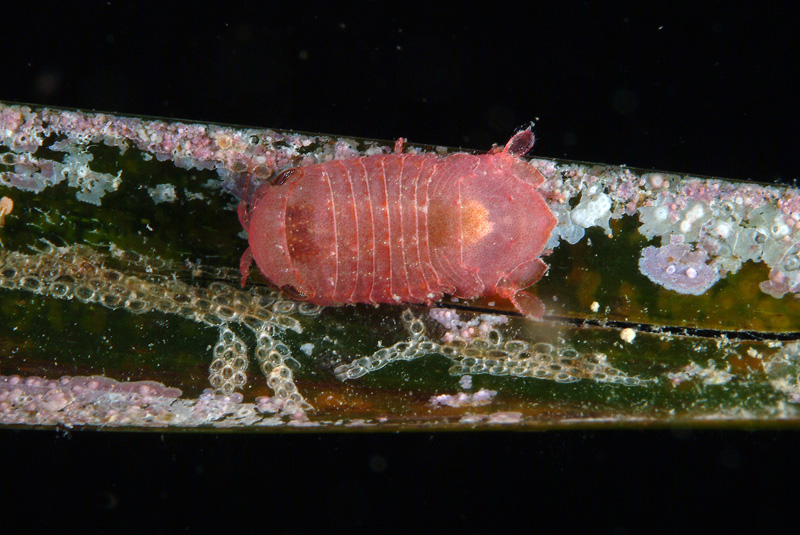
<point>709,89</point>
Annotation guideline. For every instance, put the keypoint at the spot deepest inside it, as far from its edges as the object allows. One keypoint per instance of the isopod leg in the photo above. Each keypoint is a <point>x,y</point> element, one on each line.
<point>528,304</point>
<point>244,214</point>
<point>244,265</point>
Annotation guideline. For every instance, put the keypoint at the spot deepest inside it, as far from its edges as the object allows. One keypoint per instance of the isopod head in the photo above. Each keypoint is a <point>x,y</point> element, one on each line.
<point>505,224</point>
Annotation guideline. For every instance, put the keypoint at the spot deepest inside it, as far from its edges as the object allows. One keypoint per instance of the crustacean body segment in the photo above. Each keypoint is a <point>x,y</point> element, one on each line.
<point>403,228</point>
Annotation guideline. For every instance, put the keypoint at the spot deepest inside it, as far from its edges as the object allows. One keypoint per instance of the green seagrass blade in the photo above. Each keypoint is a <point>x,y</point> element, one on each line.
<point>670,299</point>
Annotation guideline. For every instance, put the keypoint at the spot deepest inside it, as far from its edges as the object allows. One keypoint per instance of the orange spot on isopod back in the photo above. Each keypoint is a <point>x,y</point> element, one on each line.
<point>475,222</point>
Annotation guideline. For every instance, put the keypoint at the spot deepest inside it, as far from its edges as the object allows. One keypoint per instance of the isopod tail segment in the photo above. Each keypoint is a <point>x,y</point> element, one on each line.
<point>403,228</point>
<point>245,208</point>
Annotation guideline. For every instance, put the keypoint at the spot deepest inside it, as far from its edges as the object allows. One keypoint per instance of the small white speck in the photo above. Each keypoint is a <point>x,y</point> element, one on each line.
<point>595,306</point>
<point>627,335</point>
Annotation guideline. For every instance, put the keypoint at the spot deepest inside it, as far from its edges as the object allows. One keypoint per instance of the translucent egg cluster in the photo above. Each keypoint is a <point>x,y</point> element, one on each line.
<point>417,346</point>
<point>518,358</point>
<point>274,358</point>
<point>81,273</point>
<point>228,370</point>
<point>492,355</point>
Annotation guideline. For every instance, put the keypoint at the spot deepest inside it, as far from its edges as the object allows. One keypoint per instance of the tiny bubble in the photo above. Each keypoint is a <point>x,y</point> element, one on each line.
<point>377,463</point>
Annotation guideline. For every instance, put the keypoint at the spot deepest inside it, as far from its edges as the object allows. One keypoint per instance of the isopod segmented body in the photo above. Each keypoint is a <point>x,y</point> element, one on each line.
<point>403,228</point>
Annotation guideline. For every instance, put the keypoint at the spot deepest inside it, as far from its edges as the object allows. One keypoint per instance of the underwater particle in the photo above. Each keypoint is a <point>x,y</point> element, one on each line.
<point>378,464</point>
<point>91,185</point>
<point>307,348</point>
<point>783,371</point>
<point>678,267</point>
<point>595,306</point>
<point>163,193</point>
<point>191,196</point>
<point>710,375</point>
<point>627,335</point>
<point>465,382</point>
<point>507,417</point>
<point>462,399</point>
<point>458,329</point>
<point>6,206</point>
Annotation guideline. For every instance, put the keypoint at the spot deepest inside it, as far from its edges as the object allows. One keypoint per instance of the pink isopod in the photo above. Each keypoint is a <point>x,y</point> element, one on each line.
<point>403,228</point>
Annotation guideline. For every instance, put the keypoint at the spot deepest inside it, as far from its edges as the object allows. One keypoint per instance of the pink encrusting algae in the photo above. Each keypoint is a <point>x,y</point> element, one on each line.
<point>101,401</point>
<point>228,150</point>
<point>678,267</point>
